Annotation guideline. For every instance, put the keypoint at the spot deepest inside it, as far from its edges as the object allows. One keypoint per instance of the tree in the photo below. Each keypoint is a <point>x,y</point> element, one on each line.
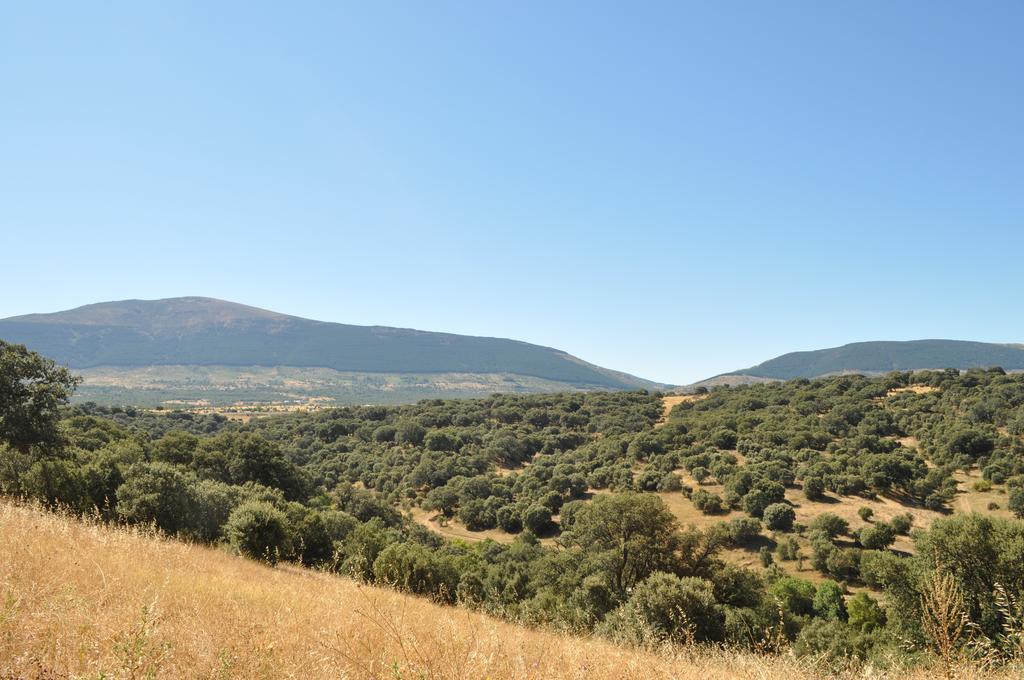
<point>32,389</point>
<point>1016,502</point>
<point>795,595</point>
<point>828,601</point>
<point>814,488</point>
<point>831,524</point>
<point>159,493</point>
<point>629,536</point>
<point>707,503</point>
<point>260,531</point>
<point>763,494</point>
<point>779,517</point>
<point>864,613</point>
<point>537,518</point>
<point>877,537</point>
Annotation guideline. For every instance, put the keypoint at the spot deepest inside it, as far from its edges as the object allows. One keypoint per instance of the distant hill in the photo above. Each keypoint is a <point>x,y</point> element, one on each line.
<point>204,332</point>
<point>882,357</point>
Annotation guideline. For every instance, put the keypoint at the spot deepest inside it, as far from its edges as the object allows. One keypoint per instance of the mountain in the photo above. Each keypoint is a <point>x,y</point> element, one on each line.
<point>194,332</point>
<point>882,357</point>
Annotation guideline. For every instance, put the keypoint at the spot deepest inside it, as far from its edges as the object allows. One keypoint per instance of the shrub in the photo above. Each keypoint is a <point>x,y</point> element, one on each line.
<point>865,513</point>
<point>669,607</point>
<point>779,517</point>
<point>902,524</point>
<point>864,614</point>
<point>743,530</point>
<point>795,595</point>
<point>537,518</point>
<point>1016,503</point>
<point>763,494</point>
<point>828,601</point>
<point>877,537</point>
<point>814,488</point>
<point>788,549</point>
<point>707,503</point>
<point>831,524</point>
<point>158,493</point>
<point>259,530</point>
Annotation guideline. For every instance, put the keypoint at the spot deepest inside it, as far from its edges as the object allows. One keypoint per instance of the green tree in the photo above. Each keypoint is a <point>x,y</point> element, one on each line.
<point>814,488</point>
<point>159,493</point>
<point>537,518</point>
<point>796,595</point>
<point>414,568</point>
<point>260,531</point>
<point>877,537</point>
<point>831,524</point>
<point>779,517</point>
<point>828,601</point>
<point>864,613</point>
<point>32,389</point>
<point>629,535</point>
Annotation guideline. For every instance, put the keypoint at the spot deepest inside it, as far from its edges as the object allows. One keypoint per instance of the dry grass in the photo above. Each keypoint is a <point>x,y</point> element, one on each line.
<point>453,528</point>
<point>670,401</point>
<point>81,600</point>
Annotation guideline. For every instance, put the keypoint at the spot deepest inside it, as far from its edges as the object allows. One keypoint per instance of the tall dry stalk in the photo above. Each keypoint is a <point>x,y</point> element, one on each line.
<point>944,619</point>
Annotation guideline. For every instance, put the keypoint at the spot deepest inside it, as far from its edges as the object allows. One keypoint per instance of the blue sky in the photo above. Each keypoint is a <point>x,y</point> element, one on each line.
<point>670,189</point>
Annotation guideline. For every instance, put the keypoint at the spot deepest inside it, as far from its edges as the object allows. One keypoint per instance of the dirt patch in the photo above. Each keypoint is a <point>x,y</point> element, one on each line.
<point>670,401</point>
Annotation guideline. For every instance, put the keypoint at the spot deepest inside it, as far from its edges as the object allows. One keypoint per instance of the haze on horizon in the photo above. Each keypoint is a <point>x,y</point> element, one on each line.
<point>669,191</point>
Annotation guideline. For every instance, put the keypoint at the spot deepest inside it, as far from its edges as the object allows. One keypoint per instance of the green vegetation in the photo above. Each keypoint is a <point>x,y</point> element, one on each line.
<point>883,357</point>
<point>581,488</point>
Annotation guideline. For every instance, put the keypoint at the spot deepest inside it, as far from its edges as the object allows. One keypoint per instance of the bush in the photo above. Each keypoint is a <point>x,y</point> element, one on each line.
<point>742,530</point>
<point>1016,503</point>
<point>877,537</point>
<point>828,601</point>
<point>779,517</point>
<point>158,493</point>
<point>668,607</point>
<point>865,513</point>
<point>707,503</point>
<point>788,549</point>
<point>510,519</point>
<point>260,531</point>
<point>537,519</point>
<point>416,569</point>
<point>902,524</point>
<point>795,595</point>
<point>763,494</point>
<point>831,524</point>
<point>864,613</point>
<point>814,488</point>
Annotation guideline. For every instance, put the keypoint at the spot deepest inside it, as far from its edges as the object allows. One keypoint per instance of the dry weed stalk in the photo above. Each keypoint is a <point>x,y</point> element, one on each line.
<point>944,619</point>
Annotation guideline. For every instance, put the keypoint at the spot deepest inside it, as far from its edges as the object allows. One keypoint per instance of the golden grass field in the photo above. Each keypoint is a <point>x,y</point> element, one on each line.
<point>88,601</point>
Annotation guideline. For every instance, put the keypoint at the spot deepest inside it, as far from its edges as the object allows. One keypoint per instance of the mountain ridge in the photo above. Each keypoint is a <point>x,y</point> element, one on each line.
<point>882,356</point>
<point>205,331</point>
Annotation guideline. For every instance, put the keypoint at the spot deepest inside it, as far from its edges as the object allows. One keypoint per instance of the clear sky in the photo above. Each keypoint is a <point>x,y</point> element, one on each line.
<point>670,189</point>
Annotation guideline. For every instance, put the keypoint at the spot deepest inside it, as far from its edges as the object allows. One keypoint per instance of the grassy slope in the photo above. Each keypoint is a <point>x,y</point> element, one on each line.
<point>82,600</point>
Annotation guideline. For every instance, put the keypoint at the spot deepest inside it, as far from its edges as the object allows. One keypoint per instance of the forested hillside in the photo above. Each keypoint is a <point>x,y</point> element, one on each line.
<point>605,518</point>
<point>883,357</point>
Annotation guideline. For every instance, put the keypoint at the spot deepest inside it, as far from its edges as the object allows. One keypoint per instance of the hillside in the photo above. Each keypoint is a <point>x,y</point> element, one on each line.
<point>166,336</point>
<point>885,356</point>
<point>88,600</point>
